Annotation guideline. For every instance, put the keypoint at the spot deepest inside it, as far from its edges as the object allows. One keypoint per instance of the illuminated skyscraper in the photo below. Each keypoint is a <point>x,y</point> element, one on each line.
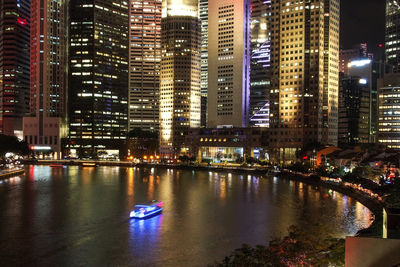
<point>228,63</point>
<point>369,71</point>
<point>354,110</point>
<point>204,59</point>
<point>392,38</point>
<point>180,74</point>
<point>46,126</point>
<point>98,76</point>
<point>388,111</point>
<point>14,65</point>
<point>305,74</point>
<point>331,15</point>
<point>144,63</point>
<point>260,63</point>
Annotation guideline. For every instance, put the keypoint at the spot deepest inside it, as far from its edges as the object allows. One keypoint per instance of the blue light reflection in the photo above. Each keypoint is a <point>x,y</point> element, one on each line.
<point>145,234</point>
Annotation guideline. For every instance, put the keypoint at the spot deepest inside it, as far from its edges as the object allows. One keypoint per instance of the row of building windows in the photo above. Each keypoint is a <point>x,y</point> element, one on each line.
<point>42,140</point>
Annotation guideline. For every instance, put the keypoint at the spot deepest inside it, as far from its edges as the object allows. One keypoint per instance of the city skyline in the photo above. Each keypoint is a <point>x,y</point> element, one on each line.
<point>200,132</point>
<point>239,72</point>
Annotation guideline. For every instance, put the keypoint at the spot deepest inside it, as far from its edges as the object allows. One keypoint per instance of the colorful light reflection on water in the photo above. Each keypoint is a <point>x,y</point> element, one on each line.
<point>79,216</point>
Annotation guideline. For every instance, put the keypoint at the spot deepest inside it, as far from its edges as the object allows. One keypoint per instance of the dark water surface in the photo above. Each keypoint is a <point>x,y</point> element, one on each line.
<point>79,216</point>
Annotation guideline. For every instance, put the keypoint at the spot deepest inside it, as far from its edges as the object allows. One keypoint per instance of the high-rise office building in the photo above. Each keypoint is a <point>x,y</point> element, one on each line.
<point>144,63</point>
<point>354,110</point>
<point>98,76</point>
<point>228,63</point>
<point>46,125</point>
<point>369,71</point>
<point>389,111</point>
<point>304,82</point>
<point>203,8</point>
<point>329,134</point>
<point>260,63</point>
<point>14,65</point>
<point>392,44</point>
<point>180,99</point>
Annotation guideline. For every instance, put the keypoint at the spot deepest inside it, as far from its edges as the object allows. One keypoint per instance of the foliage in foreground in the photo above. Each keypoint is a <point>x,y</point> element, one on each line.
<point>12,144</point>
<point>296,249</point>
<point>392,196</point>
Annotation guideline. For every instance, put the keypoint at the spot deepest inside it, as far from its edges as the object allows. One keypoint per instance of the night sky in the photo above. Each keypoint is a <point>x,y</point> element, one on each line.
<point>362,21</point>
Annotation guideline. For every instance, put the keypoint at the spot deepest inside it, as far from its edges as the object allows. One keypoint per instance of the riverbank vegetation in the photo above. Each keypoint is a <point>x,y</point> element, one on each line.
<point>298,248</point>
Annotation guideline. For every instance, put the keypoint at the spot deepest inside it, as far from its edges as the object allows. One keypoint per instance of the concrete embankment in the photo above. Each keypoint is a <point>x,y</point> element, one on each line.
<point>12,173</point>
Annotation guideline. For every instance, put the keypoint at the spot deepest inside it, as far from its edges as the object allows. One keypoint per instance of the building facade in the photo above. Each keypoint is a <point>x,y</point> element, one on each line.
<point>203,8</point>
<point>14,65</point>
<point>354,111</point>
<point>144,63</point>
<point>45,128</point>
<point>389,111</point>
<point>260,63</point>
<point>228,63</point>
<point>228,145</point>
<point>98,76</point>
<point>331,72</point>
<point>304,81</point>
<point>180,95</point>
<point>392,32</point>
<point>369,71</point>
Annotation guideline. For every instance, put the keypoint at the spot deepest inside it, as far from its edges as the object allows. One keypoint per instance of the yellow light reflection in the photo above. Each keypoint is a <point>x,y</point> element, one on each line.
<point>150,187</point>
<point>222,189</point>
<point>131,184</point>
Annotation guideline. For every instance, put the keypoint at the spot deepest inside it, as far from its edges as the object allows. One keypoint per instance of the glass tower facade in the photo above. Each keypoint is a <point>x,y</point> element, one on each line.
<point>98,75</point>
<point>144,63</point>
<point>389,111</point>
<point>45,128</point>
<point>14,64</point>
<point>260,63</point>
<point>354,111</point>
<point>392,34</point>
<point>204,59</point>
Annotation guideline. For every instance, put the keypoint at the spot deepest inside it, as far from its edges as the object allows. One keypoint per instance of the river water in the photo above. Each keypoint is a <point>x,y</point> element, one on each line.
<point>79,216</point>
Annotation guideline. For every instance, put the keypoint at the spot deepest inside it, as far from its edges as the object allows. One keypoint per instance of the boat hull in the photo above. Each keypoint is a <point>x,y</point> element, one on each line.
<point>145,216</point>
<point>56,166</point>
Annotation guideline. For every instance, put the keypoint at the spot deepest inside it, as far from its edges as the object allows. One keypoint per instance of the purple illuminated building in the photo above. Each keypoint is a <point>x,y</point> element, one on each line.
<point>260,63</point>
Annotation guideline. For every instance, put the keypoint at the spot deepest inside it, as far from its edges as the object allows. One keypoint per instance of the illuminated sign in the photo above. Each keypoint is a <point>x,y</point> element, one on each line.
<point>40,147</point>
<point>359,63</point>
<point>363,81</point>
